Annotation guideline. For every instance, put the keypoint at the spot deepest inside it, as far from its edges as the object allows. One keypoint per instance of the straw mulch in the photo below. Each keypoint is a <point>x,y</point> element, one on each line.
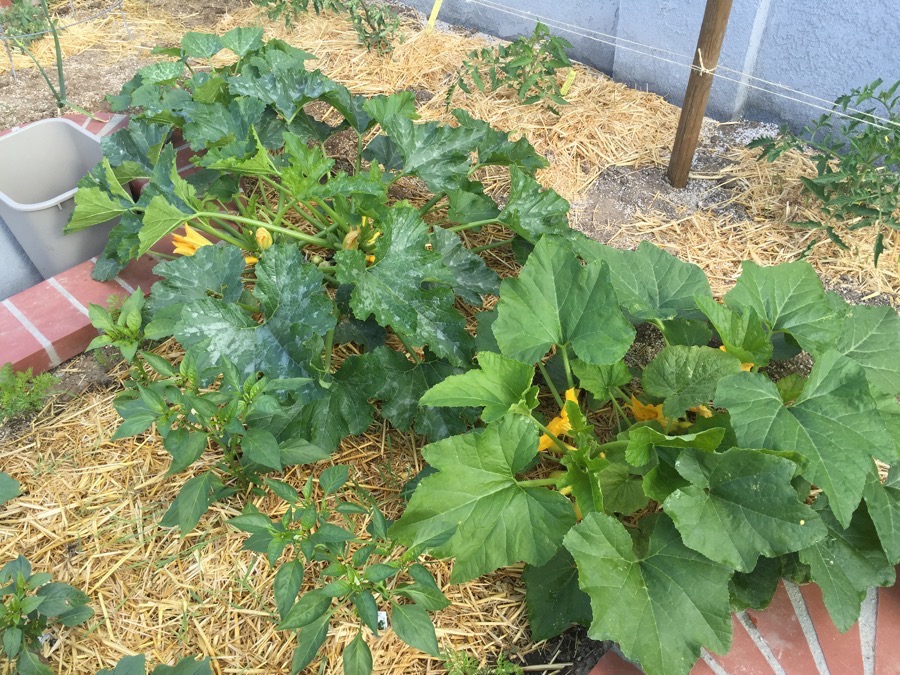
<point>92,505</point>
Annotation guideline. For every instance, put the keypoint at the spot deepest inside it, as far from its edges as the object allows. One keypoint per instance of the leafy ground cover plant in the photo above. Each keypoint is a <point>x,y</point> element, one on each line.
<point>857,156</point>
<point>29,604</point>
<point>528,66</point>
<point>22,392</point>
<point>9,488</point>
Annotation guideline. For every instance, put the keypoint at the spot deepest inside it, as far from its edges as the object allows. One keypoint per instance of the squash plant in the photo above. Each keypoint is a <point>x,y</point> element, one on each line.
<point>700,499</point>
<point>715,480</point>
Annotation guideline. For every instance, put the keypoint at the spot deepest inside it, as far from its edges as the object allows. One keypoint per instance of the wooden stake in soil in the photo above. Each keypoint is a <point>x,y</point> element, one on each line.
<point>709,44</point>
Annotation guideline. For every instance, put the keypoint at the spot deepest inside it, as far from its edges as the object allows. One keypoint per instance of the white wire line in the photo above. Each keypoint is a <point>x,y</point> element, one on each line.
<point>614,41</point>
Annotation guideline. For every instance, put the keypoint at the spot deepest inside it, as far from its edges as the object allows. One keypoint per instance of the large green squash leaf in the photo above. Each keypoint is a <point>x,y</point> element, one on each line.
<point>788,298</point>
<point>408,287</point>
<point>471,277</point>
<point>846,563</point>
<point>741,505</point>
<point>687,376</point>
<point>437,153</point>
<point>558,301</point>
<point>496,148</point>
<point>650,283</point>
<point>501,385</point>
<point>342,409</point>
<point>834,424</point>
<point>642,439</point>
<point>213,271</point>
<point>743,335</point>
<point>661,601</point>
<point>297,313</point>
<point>871,337</point>
<point>553,597</point>
<point>405,382</point>
<point>476,496</point>
<point>883,502</point>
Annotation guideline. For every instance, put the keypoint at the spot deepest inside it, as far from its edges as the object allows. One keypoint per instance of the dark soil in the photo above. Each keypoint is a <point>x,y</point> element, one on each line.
<point>572,653</point>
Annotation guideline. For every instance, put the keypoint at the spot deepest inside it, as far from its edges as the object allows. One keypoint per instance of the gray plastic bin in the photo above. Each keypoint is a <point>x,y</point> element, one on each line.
<point>40,166</point>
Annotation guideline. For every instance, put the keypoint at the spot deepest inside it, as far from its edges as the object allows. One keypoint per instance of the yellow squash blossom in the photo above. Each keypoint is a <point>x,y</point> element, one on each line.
<point>646,412</point>
<point>263,238</point>
<point>559,425</point>
<point>188,243</point>
<point>745,367</point>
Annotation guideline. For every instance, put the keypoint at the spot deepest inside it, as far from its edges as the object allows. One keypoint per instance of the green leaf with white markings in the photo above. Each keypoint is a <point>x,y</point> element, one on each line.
<point>408,287</point>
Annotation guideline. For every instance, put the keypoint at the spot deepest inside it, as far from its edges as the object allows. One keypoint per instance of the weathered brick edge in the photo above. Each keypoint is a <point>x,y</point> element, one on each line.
<point>795,636</point>
<point>48,324</point>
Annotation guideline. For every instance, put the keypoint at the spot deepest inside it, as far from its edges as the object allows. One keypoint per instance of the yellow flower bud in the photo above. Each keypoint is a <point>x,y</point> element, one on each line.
<point>263,238</point>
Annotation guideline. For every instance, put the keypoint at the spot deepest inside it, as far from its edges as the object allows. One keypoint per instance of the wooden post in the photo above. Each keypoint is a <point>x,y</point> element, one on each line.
<point>709,44</point>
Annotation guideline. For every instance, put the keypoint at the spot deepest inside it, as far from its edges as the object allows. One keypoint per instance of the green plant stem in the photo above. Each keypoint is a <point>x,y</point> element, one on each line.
<point>565,357</point>
<point>538,482</point>
<point>493,244</point>
<point>558,443</point>
<point>299,236</point>
<point>550,384</point>
<point>359,152</point>
<point>469,226</point>
<point>612,445</point>
<point>620,414</point>
<point>333,215</point>
<point>412,352</point>
<point>431,202</point>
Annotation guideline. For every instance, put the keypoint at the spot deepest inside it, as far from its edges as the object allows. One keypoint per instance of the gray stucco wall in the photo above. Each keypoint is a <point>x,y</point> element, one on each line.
<point>821,47</point>
<point>592,15</point>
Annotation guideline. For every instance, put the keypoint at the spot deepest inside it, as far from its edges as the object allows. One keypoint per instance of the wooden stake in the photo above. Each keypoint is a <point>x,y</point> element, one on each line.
<point>435,10</point>
<point>706,58</point>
